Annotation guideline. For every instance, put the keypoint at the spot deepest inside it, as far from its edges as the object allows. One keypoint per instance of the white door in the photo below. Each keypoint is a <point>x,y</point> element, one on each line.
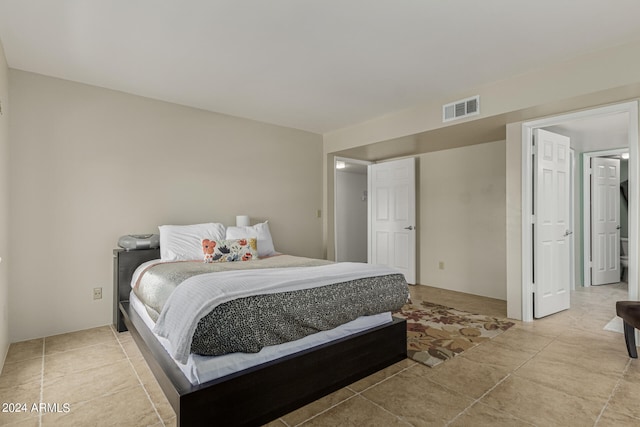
<point>605,221</point>
<point>392,216</point>
<point>551,226</point>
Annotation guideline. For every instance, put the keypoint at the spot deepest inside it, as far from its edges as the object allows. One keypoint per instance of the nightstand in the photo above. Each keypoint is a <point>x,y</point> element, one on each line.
<point>124,264</point>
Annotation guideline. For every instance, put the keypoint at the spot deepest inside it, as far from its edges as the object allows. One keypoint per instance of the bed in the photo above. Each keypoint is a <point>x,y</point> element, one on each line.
<point>261,393</point>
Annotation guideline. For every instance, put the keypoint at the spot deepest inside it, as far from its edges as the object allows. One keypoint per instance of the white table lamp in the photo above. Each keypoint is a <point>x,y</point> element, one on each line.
<point>243,221</point>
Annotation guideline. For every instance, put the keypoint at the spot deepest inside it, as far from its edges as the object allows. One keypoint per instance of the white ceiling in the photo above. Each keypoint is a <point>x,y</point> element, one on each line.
<point>596,133</point>
<point>313,65</point>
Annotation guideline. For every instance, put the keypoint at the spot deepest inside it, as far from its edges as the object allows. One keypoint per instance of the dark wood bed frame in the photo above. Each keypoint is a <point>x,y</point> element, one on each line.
<point>262,393</point>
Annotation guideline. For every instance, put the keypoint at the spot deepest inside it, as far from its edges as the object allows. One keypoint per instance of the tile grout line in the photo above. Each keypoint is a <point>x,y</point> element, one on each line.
<point>77,348</point>
<point>496,385</point>
<point>356,393</point>
<point>382,380</point>
<point>328,409</point>
<point>109,393</point>
<point>613,391</point>
<point>153,405</point>
<point>41,382</point>
<point>398,417</point>
<point>480,398</point>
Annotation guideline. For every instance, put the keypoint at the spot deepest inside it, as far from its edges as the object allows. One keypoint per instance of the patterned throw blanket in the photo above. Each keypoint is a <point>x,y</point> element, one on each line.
<point>248,324</point>
<point>243,311</point>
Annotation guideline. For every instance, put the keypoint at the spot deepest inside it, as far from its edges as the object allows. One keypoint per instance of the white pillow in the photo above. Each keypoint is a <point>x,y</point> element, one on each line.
<point>184,242</point>
<point>260,232</point>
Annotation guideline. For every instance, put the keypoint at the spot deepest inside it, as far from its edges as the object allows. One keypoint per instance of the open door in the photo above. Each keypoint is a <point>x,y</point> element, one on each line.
<point>551,231</point>
<point>392,216</point>
<point>605,220</point>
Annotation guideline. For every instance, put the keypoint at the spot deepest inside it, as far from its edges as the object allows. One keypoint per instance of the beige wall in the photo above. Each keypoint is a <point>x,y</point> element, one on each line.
<point>551,84</point>
<point>90,164</point>
<point>513,211</point>
<point>4,206</point>
<point>602,77</point>
<point>462,217</point>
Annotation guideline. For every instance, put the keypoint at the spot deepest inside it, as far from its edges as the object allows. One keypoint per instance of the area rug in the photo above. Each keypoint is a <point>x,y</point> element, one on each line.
<point>436,333</point>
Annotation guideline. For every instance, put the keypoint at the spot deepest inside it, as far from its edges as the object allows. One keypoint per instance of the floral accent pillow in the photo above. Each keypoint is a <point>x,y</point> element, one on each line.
<point>230,250</point>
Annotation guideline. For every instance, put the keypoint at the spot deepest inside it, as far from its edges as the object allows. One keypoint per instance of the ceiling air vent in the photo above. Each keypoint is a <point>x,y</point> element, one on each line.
<point>459,109</point>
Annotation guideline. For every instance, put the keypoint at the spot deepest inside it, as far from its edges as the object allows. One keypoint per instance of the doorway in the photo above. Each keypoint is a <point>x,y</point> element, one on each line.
<point>392,216</point>
<point>350,206</point>
<point>593,265</point>
<point>631,111</point>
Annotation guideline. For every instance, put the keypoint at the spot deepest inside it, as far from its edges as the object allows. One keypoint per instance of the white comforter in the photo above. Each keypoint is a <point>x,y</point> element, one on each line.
<point>198,295</point>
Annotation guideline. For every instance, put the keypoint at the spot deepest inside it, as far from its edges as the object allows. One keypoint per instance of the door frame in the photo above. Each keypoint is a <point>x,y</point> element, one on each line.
<point>572,215</point>
<point>337,159</point>
<point>527,194</point>
<point>586,207</point>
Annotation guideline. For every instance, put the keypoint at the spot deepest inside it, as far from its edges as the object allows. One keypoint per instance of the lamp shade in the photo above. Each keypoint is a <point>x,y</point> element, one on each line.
<point>243,221</point>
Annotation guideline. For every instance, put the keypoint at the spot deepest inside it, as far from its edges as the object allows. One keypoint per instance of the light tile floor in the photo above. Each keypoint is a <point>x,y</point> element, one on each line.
<point>564,370</point>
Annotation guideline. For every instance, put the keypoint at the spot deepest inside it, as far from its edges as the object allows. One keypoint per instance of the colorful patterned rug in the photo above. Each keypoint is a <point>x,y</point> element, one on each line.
<point>436,333</point>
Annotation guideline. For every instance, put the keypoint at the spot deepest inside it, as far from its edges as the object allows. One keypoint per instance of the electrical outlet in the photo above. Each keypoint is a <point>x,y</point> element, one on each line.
<point>441,265</point>
<point>97,293</point>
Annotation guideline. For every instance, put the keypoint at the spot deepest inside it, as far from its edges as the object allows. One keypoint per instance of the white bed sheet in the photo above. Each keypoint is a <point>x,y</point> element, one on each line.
<point>200,369</point>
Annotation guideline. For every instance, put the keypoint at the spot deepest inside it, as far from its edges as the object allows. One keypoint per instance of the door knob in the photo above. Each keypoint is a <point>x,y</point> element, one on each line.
<point>618,227</point>
<point>409,227</point>
<point>567,233</point>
